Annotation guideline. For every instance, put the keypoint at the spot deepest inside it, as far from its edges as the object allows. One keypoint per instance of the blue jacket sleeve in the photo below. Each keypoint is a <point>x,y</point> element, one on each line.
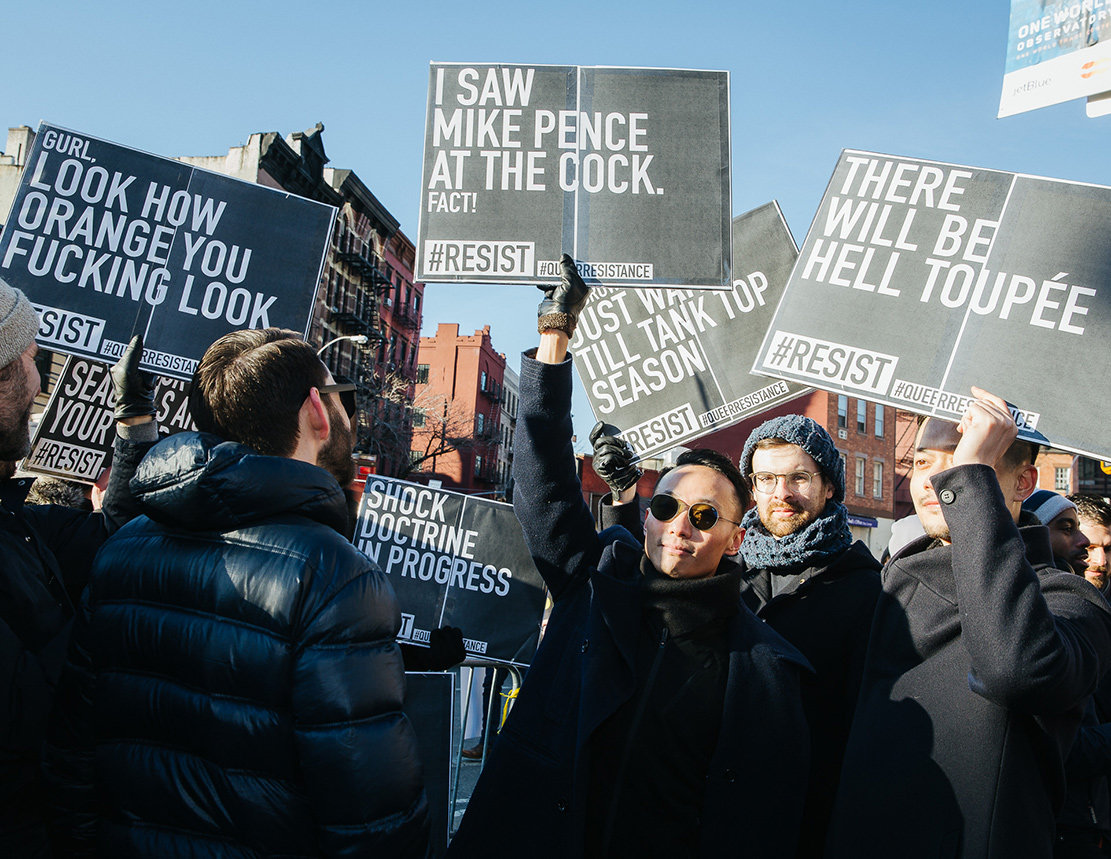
<point>547,495</point>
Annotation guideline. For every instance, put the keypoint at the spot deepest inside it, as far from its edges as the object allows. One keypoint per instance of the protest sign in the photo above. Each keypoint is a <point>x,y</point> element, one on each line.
<point>666,366</point>
<point>74,435</point>
<point>919,279</point>
<point>108,241</point>
<point>430,708</point>
<point>1057,50</point>
<point>625,169</point>
<point>454,560</point>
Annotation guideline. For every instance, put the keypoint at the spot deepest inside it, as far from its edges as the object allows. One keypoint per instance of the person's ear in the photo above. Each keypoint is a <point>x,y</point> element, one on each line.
<point>735,543</point>
<point>1026,483</point>
<point>314,415</point>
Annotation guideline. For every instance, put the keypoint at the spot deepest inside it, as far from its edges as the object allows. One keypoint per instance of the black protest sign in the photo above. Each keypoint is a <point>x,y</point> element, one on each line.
<point>919,279</point>
<point>625,169</point>
<point>430,708</point>
<point>74,436</point>
<point>108,241</point>
<point>454,560</point>
<point>666,366</point>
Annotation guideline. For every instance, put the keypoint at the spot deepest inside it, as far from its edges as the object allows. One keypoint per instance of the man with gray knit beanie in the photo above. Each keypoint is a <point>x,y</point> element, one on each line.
<point>45,556</point>
<point>810,582</point>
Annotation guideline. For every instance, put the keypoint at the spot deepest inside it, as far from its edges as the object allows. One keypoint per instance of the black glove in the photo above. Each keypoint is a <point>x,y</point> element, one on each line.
<point>613,460</point>
<point>445,650</point>
<point>134,388</point>
<point>559,311</point>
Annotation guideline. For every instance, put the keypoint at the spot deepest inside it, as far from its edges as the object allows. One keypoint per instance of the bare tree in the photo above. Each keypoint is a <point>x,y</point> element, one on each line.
<point>411,431</point>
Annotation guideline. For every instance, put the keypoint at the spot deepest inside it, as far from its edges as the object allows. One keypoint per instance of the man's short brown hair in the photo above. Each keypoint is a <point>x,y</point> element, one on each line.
<point>250,385</point>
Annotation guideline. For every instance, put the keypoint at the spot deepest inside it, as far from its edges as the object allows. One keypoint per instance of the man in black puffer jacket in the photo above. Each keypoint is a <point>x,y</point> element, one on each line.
<point>234,687</point>
<point>47,551</point>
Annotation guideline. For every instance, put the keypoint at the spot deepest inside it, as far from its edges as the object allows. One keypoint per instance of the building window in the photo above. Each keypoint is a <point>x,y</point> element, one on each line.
<point>418,417</point>
<point>415,460</point>
<point>842,411</point>
<point>877,480</point>
<point>477,464</point>
<point>861,416</point>
<point>879,421</point>
<point>482,381</point>
<point>844,464</point>
<point>861,464</point>
<point>479,423</point>
<point>422,374</point>
<point>1062,478</point>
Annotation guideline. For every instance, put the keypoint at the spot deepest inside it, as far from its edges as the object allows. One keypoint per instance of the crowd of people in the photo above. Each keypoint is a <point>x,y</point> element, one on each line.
<point>206,666</point>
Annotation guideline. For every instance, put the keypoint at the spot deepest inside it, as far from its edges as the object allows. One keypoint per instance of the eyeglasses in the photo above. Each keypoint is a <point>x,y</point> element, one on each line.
<point>765,482</point>
<point>702,516</point>
<point>346,391</point>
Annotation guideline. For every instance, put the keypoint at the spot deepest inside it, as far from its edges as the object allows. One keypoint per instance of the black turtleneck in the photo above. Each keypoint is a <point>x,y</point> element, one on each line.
<point>648,761</point>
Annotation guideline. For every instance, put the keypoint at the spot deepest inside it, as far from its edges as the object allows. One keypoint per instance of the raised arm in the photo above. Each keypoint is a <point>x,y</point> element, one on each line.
<point>1038,643</point>
<point>547,496</point>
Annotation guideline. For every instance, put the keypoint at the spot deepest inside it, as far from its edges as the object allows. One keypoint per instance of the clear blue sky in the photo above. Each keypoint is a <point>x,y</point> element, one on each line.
<point>807,78</point>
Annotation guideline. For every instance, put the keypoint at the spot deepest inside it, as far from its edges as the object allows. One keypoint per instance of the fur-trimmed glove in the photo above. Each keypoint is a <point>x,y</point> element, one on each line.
<point>563,301</point>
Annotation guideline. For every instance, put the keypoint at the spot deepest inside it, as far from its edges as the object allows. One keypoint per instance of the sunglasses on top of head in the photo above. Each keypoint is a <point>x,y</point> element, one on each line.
<point>702,516</point>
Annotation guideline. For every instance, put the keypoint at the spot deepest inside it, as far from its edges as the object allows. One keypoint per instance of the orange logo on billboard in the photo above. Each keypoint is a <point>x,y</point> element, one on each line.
<point>1091,68</point>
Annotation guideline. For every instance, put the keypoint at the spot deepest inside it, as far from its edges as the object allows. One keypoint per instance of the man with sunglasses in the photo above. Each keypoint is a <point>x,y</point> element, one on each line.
<point>235,685</point>
<point>660,717</point>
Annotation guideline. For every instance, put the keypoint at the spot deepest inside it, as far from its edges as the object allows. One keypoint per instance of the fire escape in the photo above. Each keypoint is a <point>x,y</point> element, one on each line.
<point>361,315</point>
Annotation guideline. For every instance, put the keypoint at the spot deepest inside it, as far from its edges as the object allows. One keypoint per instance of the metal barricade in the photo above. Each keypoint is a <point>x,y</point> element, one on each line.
<point>494,710</point>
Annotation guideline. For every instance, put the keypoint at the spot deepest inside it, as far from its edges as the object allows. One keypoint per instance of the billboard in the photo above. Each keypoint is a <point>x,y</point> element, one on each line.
<point>1057,50</point>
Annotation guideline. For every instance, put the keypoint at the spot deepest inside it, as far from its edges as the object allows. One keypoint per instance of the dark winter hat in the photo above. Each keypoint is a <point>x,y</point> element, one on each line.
<point>811,437</point>
<point>1047,505</point>
<point>18,323</point>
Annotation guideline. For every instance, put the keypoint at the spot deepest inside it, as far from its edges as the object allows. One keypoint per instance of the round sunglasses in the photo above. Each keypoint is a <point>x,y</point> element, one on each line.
<point>702,516</point>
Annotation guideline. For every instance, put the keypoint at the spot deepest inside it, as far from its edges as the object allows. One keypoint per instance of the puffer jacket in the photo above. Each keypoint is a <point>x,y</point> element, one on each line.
<point>234,687</point>
<point>47,551</point>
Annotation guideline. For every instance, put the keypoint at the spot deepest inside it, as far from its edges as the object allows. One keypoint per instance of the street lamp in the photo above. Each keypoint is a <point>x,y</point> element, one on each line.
<point>357,339</point>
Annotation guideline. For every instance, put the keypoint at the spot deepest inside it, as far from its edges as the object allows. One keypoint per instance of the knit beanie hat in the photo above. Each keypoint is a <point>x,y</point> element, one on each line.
<point>811,437</point>
<point>18,323</point>
<point>1047,505</point>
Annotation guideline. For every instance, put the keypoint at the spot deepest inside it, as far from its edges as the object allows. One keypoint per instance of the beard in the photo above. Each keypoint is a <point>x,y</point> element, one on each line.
<point>335,455</point>
<point>779,526</point>
<point>15,432</point>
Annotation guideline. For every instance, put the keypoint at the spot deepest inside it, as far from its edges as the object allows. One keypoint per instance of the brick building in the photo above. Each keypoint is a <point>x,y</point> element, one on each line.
<point>458,425</point>
<point>366,288</point>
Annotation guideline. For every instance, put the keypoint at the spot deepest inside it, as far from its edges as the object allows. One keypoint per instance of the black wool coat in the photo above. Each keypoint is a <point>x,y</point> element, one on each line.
<point>981,659</point>
<point>529,800</point>
<point>826,612</point>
